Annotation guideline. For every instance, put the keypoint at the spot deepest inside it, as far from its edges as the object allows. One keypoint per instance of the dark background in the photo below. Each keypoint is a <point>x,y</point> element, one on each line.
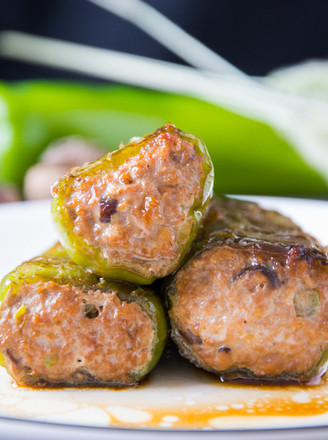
<point>257,36</point>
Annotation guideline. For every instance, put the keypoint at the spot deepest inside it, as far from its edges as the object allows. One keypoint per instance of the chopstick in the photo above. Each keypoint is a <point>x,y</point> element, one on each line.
<point>251,100</point>
<point>292,116</point>
<point>170,35</point>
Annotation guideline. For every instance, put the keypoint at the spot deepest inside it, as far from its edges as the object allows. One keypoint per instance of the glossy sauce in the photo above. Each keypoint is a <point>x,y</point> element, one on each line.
<point>175,396</point>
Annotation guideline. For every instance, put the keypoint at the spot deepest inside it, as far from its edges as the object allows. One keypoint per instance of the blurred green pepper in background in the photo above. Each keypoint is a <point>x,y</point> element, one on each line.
<point>248,156</point>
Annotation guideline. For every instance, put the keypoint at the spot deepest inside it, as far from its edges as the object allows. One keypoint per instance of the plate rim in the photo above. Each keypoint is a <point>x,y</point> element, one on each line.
<point>303,430</point>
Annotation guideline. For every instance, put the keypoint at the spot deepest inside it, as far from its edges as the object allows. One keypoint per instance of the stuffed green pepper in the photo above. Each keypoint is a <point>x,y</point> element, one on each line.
<point>251,302</point>
<point>133,214</point>
<point>62,326</point>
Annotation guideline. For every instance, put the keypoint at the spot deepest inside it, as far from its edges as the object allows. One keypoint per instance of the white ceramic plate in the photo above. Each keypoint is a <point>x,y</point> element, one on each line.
<point>177,401</point>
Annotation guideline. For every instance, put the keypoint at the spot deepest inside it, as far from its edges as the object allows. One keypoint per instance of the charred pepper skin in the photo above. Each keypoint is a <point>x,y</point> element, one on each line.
<point>267,255</point>
<point>91,256</point>
<point>59,271</point>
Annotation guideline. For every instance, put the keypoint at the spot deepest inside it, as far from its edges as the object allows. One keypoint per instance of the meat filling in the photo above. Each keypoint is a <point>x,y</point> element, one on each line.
<point>251,309</point>
<point>61,335</point>
<point>140,213</point>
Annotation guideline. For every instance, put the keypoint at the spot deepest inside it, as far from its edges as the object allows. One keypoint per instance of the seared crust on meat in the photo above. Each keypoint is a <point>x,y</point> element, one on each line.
<point>252,300</point>
<point>242,224</point>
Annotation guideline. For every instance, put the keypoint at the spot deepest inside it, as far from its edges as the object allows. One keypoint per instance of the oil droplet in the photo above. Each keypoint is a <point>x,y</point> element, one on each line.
<point>222,408</point>
<point>129,415</point>
<point>237,406</point>
<point>302,397</point>
<point>170,419</point>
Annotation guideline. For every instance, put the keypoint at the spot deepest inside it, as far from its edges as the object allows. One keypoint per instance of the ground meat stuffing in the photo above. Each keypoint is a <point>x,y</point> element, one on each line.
<point>253,310</point>
<point>139,214</point>
<point>60,334</point>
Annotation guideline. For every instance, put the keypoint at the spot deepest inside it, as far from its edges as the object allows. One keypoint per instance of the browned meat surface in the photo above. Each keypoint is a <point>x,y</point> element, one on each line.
<point>54,334</point>
<point>253,298</point>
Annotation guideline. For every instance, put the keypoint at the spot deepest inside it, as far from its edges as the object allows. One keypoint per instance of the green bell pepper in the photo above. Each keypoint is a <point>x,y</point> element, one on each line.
<point>249,157</point>
<point>105,211</point>
<point>251,296</point>
<point>51,310</point>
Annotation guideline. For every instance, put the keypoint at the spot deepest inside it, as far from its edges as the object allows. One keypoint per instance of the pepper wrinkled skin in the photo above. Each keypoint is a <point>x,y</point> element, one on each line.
<point>62,326</point>
<point>133,214</point>
<point>251,302</point>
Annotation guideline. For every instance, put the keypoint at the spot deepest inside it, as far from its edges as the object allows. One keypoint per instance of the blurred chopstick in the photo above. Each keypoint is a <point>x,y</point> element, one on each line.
<point>170,35</point>
<point>251,99</point>
<point>291,115</point>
